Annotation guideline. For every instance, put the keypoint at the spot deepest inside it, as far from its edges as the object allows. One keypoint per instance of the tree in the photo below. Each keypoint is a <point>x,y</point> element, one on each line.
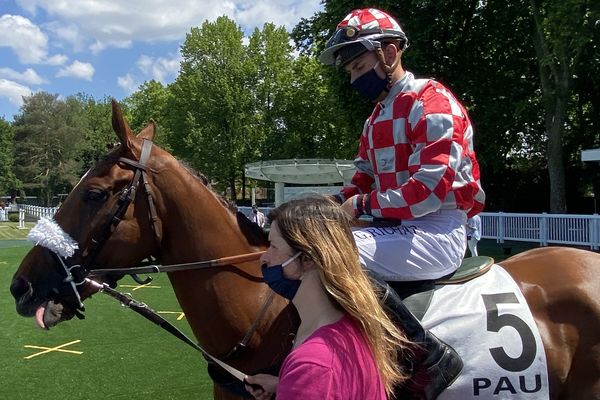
<point>46,145</point>
<point>9,184</point>
<point>212,108</point>
<point>561,32</point>
<point>149,103</point>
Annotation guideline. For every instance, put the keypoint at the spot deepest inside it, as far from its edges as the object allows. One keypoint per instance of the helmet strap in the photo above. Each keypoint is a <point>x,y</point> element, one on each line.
<point>388,69</point>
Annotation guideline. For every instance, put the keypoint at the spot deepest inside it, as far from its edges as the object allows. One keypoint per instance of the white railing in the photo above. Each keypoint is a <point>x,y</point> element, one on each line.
<point>37,211</point>
<point>3,214</point>
<point>571,229</point>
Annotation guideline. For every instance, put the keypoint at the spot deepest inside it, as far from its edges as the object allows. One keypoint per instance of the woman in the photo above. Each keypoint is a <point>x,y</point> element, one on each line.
<point>346,347</point>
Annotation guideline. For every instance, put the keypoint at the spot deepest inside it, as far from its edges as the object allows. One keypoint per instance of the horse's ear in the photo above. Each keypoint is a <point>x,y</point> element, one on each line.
<point>120,125</point>
<point>148,132</point>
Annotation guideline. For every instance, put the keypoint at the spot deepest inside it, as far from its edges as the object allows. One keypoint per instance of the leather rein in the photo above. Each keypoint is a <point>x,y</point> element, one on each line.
<point>78,275</point>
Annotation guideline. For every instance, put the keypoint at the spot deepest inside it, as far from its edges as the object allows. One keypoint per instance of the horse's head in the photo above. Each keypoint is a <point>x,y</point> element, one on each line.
<point>106,223</point>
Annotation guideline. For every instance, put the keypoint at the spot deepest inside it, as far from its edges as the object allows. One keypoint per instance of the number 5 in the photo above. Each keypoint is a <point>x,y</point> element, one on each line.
<point>495,322</point>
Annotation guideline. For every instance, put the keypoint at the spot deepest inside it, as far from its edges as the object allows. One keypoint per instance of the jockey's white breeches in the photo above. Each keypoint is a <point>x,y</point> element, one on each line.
<point>424,248</point>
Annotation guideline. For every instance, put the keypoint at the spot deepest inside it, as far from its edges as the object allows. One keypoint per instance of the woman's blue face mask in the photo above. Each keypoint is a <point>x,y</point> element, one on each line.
<point>370,84</point>
<point>281,285</point>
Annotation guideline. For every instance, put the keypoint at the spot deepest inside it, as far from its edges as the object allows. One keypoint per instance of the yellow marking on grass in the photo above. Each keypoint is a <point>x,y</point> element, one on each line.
<point>179,318</point>
<point>136,287</point>
<point>47,350</point>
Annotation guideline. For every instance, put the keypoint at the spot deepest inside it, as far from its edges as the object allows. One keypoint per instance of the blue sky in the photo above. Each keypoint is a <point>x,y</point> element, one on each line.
<point>109,47</point>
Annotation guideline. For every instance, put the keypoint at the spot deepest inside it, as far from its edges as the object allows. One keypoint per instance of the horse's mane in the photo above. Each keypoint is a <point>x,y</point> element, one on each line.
<point>255,234</point>
<point>229,205</point>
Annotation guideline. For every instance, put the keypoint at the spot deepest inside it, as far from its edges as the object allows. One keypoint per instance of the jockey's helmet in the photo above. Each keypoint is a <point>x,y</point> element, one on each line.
<point>362,30</point>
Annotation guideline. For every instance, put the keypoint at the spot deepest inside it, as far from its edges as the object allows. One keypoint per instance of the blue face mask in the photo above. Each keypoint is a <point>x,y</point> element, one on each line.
<point>370,84</point>
<point>281,285</point>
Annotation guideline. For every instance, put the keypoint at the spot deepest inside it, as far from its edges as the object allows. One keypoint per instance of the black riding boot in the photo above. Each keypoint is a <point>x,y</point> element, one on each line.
<point>435,365</point>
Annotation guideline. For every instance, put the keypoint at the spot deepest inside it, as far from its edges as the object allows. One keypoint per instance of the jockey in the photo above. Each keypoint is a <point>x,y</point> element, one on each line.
<point>415,165</point>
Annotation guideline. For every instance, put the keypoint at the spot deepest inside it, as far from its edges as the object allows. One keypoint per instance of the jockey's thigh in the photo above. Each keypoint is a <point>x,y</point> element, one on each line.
<point>424,248</point>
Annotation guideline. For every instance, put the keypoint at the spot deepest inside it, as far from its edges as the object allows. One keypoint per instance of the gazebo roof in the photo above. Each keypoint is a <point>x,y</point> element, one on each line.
<point>302,171</point>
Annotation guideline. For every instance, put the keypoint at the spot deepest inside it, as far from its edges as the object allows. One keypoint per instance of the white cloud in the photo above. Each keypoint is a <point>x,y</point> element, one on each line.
<point>13,91</point>
<point>98,46</point>
<point>66,33</point>
<point>77,69</point>
<point>58,59</point>
<point>26,39</point>
<point>159,69</point>
<point>114,23</point>
<point>127,83</point>
<point>28,76</point>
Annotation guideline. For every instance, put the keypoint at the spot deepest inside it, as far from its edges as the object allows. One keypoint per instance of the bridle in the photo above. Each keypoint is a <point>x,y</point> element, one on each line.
<point>77,275</point>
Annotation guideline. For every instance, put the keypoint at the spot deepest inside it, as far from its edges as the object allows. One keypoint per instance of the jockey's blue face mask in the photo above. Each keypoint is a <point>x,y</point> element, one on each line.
<point>370,84</point>
<point>281,285</point>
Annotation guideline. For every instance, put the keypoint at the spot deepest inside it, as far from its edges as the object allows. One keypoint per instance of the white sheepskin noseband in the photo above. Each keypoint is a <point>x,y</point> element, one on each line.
<point>47,233</point>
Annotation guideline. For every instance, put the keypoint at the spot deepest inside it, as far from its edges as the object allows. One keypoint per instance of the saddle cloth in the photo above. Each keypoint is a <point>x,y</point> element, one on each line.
<point>487,321</point>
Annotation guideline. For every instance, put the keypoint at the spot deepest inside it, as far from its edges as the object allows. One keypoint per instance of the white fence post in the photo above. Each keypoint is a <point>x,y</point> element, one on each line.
<point>500,238</point>
<point>544,230</point>
<point>21,218</point>
<point>595,232</point>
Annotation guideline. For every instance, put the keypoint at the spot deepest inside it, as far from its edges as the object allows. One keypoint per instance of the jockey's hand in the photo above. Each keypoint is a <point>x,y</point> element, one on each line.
<point>349,208</point>
<point>262,386</point>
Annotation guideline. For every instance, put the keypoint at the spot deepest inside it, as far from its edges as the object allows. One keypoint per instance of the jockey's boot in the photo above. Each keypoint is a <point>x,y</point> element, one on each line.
<point>435,365</point>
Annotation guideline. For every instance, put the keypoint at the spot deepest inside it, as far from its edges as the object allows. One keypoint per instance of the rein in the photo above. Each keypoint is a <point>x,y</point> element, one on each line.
<point>156,269</point>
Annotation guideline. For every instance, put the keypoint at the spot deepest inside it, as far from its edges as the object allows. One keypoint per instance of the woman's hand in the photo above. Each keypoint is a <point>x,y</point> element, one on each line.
<point>261,386</point>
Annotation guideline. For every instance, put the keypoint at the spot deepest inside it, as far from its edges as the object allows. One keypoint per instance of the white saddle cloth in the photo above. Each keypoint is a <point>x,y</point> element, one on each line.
<point>488,322</point>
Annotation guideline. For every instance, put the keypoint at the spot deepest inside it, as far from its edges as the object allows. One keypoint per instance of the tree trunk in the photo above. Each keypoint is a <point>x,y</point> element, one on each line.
<point>554,79</point>
<point>556,165</point>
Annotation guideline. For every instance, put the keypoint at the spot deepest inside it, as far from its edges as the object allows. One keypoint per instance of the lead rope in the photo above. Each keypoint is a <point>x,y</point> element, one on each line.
<point>151,315</point>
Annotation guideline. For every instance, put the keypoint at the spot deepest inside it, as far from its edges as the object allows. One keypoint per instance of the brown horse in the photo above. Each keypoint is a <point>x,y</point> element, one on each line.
<point>190,223</point>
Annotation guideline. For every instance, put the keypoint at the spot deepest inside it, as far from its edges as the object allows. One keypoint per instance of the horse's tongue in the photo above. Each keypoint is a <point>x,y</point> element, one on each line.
<point>39,316</point>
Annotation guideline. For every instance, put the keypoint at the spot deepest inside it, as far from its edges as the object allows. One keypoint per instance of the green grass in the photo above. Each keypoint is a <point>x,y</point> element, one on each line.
<point>9,230</point>
<point>501,251</point>
<point>124,356</point>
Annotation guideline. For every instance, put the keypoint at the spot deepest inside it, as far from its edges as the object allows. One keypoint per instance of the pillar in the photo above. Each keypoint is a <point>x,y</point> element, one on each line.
<point>279,193</point>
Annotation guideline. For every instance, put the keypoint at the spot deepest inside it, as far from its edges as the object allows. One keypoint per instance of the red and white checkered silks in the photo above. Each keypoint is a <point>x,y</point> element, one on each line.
<point>416,154</point>
<point>369,18</point>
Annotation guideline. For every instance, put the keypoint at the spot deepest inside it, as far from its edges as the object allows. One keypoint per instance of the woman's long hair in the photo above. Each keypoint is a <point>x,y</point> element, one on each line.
<point>322,230</point>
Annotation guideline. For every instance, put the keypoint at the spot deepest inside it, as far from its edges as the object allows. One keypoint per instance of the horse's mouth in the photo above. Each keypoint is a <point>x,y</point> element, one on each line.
<point>51,313</point>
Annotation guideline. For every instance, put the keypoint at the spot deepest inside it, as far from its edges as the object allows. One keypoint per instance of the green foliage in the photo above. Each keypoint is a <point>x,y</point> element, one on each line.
<point>9,184</point>
<point>211,104</point>
<point>13,217</point>
<point>47,137</point>
<point>94,118</point>
<point>148,104</point>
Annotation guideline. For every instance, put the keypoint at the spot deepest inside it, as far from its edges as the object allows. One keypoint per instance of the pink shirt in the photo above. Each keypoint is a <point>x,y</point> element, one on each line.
<point>334,363</point>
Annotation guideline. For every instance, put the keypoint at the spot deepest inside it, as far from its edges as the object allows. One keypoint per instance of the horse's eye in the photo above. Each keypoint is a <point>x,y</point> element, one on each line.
<point>95,195</point>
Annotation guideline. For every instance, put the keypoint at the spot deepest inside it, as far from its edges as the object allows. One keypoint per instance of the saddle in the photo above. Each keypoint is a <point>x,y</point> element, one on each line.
<point>417,295</point>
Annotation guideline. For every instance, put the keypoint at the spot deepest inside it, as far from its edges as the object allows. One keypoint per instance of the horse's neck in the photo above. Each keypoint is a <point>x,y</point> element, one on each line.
<point>196,225</point>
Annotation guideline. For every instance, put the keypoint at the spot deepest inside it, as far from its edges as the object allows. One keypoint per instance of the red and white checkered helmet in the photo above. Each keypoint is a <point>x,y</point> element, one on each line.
<point>362,30</point>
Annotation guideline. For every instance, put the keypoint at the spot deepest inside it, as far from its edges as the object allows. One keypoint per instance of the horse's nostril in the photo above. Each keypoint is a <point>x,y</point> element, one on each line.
<point>19,287</point>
